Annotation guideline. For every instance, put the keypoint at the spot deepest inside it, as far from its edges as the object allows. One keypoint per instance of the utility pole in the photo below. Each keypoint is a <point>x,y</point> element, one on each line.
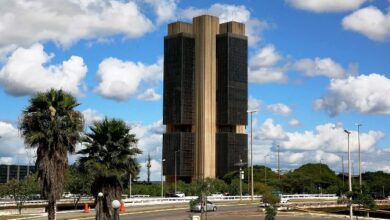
<point>342,165</point>
<point>279,161</point>
<point>162,181</point>
<point>130,185</point>
<point>360,162</point>
<point>265,169</point>
<point>252,190</point>
<point>349,176</point>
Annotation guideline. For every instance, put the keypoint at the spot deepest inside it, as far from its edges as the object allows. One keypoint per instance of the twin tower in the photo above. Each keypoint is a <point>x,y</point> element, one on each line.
<point>205,98</point>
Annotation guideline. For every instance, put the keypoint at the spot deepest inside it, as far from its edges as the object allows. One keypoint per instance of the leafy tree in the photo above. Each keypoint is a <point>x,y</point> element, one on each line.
<point>20,190</point>
<point>77,182</point>
<point>109,156</point>
<point>52,125</point>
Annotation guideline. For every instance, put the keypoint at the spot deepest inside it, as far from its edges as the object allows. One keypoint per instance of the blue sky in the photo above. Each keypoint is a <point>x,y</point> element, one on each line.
<point>316,67</point>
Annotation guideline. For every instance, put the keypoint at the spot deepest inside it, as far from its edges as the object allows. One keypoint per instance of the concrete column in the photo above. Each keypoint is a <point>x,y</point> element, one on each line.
<point>205,29</point>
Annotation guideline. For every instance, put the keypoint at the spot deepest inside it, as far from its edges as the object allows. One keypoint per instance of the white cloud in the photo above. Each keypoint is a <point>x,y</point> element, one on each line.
<point>263,67</point>
<point>369,21</point>
<point>279,108</point>
<point>267,56</point>
<point>155,170</point>
<point>364,93</point>
<point>294,123</point>
<point>91,115</point>
<point>326,5</point>
<point>65,22</point>
<point>270,131</point>
<point>27,72</point>
<point>12,148</point>
<point>119,79</point>
<point>254,104</point>
<point>239,13</point>
<point>149,95</point>
<point>165,10</point>
<point>327,142</point>
<point>317,67</point>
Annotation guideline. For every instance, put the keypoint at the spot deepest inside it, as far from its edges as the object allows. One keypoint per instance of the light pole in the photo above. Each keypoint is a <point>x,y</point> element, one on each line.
<point>130,185</point>
<point>100,198</point>
<point>320,176</point>
<point>176,170</point>
<point>360,162</point>
<point>162,182</point>
<point>265,168</point>
<point>279,161</point>
<point>115,205</point>
<point>241,175</point>
<point>349,175</point>
<point>252,191</point>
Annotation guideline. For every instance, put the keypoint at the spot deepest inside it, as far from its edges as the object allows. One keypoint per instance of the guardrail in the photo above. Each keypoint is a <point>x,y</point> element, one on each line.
<point>159,200</point>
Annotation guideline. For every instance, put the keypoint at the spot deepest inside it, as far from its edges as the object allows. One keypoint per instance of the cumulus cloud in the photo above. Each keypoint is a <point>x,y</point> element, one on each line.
<point>263,66</point>
<point>165,10</point>
<point>319,6</point>
<point>226,12</point>
<point>326,142</point>
<point>91,115</point>
<point>294,123</point>
<point>119,79</point>
<point>149,95</point>
<point>12,148</point>
<point>320,67</point>
<point>364,93</point>
<point>279,108</point>
<point>27,71</point>
<point>369,21</point>
<point>65,22</point>
<point>254,104</point>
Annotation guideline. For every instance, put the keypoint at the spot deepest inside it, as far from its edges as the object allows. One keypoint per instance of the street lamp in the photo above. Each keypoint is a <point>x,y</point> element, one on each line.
<point>360,162</point>
<point>162,182</point>
<point>252,191</point>
<point>320,176</point>
<point>349,175</point>
<point>241,175</point>
<point>115,205</point>
<point>265,168</point>
<point>176,170</point>
<point>100,200</point>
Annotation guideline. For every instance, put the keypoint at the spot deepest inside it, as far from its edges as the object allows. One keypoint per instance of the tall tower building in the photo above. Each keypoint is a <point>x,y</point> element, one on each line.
<point>205,98</point>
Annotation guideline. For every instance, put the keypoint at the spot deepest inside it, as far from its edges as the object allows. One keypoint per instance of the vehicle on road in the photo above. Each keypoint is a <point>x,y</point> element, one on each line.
<point>176,194</point>
<point>217,194</point>
<point>205,208</point>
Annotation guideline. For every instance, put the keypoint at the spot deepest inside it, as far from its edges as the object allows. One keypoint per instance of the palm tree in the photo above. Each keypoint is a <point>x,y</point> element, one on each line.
<point>109,155</point>
<point>52,126</point>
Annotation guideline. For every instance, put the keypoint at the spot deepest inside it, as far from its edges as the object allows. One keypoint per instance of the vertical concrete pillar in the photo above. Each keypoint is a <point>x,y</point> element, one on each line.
<point>205,29</point>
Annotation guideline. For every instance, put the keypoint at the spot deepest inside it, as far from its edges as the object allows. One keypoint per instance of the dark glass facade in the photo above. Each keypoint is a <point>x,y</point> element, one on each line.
<point>10,172</point>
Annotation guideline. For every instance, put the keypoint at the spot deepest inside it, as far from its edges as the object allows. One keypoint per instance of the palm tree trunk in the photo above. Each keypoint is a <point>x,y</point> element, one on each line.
<point>51,210</point>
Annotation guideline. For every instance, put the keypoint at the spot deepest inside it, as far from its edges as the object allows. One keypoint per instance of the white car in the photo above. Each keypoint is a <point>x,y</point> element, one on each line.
<point>217,194</point>
<point>180,194</point>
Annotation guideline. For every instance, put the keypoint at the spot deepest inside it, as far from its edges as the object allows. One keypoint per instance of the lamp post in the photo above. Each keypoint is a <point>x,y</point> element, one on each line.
<point>320,176</point>
<point>278,161</point>
<point>360,162</point>
<point>349,175</point>
<point>241,175</point>
<point>252,191</point>
<point>115,205</point>
<point>176,170</point>
<point>162,182</point>
<point>130,184</point>
<point>265,169</point>
<point>100,198</point>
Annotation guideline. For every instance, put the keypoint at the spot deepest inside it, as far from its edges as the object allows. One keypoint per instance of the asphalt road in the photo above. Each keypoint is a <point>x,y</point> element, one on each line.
<point>241,212</point>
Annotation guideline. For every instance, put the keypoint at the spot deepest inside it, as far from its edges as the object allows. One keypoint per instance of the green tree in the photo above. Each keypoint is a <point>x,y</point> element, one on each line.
<point>52,125</point>
<point>109,156</point>
<point>77,182</point>
<point>20,190</point>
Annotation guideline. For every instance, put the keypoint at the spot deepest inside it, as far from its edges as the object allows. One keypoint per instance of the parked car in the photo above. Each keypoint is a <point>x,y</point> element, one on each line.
<point>217,194</point>
<point>209,207</point>
<point>177,194</point>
